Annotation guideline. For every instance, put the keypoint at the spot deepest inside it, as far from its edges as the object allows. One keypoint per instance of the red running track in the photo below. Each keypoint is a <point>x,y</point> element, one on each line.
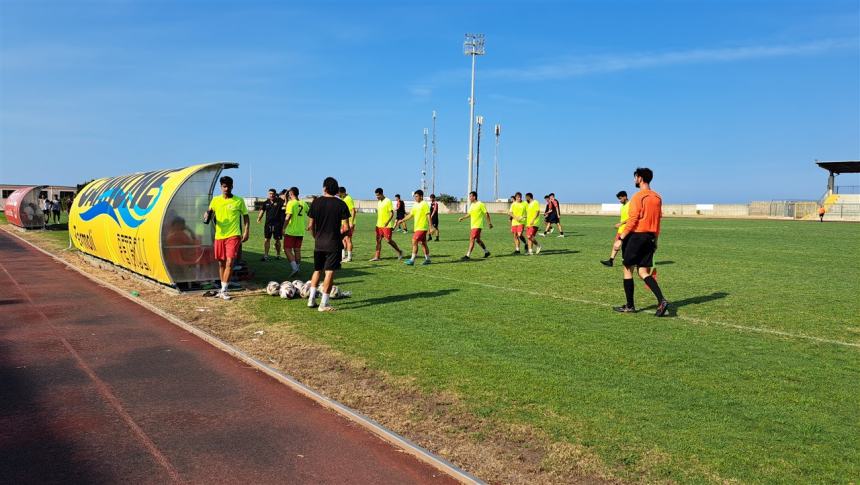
<point>97,389</point>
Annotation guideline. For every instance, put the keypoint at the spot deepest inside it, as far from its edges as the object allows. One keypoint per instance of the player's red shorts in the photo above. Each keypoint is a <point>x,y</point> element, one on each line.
<point>475,234</point>
<point>383,233</point>
<point>227,248</point>
<point>518,230</point>
<point>419,236</point>
<point>293,242</point>
<point>531,231</point>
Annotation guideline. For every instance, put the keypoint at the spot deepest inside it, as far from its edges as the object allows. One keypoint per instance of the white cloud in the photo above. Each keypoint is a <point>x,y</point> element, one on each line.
<point>575,67</point>
<point>421,91</point>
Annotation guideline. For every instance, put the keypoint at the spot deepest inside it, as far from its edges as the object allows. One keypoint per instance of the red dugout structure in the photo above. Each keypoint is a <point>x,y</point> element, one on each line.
<point>23,210</point>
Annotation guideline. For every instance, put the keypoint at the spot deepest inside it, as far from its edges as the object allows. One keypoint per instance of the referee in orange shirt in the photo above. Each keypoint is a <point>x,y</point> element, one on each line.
<point>639,241</point>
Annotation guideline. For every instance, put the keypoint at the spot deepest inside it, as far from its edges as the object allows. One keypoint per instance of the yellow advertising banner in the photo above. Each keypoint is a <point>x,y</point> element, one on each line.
<point>122,219</point>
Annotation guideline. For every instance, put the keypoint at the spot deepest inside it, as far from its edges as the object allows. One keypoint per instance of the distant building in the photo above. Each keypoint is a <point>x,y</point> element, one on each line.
<point>62,191</point>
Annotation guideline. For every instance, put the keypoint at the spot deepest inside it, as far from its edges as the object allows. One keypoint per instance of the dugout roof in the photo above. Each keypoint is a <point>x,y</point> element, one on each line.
<point>848,166</point>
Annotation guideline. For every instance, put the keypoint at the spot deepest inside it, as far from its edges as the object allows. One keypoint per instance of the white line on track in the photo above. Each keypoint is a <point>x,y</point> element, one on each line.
<point>697,321</point>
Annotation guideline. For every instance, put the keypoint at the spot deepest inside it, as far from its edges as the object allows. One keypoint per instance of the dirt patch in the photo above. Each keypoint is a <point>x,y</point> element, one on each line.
<point>495,452</point>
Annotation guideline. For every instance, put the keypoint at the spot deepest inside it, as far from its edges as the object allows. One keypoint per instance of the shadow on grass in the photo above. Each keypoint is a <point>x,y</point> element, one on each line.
<point>279,269</point>
<point>696,300</point>
<point>395,299</point>
<point>548,252</point>
<point>661,263</point>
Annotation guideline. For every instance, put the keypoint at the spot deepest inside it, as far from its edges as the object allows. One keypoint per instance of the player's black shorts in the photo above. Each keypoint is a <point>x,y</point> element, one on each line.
<point>552,218</point>
<point>434,221</point>
<point>638,249</point>
<point>326,260</point>
<point>273,230</point>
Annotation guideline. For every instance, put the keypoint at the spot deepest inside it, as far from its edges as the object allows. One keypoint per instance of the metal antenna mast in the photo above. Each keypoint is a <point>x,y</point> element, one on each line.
<point>424,169</point>
<point>496,164</point>
<point>480,122</point>
<point>433,152</point>
<point>473,46</point>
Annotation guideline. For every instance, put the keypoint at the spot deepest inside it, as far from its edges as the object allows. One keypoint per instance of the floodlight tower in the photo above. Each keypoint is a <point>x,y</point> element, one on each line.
<point>473,46</point>
<point>480,121</point>
<point>496,164</point>
<point>433,177</point>
<point>424,169</point>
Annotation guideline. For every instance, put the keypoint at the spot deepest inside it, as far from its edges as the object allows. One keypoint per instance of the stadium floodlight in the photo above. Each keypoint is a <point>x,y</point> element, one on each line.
<point>472,46</point>
<point>424,168</point>
<point>433,177</point>
<point>498,131</point>
<point>480,122</point>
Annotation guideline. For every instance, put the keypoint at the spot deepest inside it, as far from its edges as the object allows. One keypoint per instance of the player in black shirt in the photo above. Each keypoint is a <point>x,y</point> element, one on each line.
<point>329,223</point>
<point>434,218</point>
<point>273,209</point>
<point>400,213</point>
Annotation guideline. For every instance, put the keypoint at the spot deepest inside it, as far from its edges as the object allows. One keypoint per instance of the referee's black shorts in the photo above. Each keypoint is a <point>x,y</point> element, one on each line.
<point>638,249</point>
<point>275,230</point>
<point>327,260</point>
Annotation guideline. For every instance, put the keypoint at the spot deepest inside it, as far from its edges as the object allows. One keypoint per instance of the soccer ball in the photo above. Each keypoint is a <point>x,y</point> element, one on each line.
<point>272,288</point>
<point>306,290</point>
<point>298,284</point>
<point>287,291</point>
<point>335,292</point>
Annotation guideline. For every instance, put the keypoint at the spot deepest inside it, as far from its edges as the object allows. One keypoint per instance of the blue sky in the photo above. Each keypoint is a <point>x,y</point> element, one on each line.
<point>727,101</point>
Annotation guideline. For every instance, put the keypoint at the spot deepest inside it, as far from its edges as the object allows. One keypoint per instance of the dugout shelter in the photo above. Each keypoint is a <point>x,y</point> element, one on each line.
<point>23,208</point>
<point>151,223</point>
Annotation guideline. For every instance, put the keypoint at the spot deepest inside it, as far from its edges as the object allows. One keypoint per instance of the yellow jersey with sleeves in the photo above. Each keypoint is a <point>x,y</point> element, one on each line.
<point>518,210</point>
<point>625,212</point>
<point>228,215</point>
<point>298,211</point>
<point>420,211</point>
<point>532,213</point>
<point>350,204</point>
<point>384,210</point>
<point>477,213</point>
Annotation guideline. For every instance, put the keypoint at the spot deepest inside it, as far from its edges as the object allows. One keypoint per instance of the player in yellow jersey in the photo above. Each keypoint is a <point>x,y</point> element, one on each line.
<point>296,223</point>
<point>517,214</point>
<point>532,222</point>
<point>619,228</point>
<point>476,215</point>
<point>346,255</point>
<point>384,224</point>
<point>232,228</point>
<point>421,214</point>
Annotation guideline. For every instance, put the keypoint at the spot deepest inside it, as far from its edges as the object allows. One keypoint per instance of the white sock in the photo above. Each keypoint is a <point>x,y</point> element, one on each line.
<point>468,253</point>
<point>324,302</point>
<point>312,297</point>
<point>343,254</point>
<point>349,255</point>
<point>427,257</point>
<point>413,257</point>
<point>294,265</point>
<point>224,287</point>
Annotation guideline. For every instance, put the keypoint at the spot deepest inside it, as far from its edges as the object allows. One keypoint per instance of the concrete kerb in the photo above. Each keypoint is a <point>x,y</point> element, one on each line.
<point>352,415</point>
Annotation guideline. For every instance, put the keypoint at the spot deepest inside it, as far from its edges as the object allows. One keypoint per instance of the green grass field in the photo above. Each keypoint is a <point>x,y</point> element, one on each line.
<point>756,378</point>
